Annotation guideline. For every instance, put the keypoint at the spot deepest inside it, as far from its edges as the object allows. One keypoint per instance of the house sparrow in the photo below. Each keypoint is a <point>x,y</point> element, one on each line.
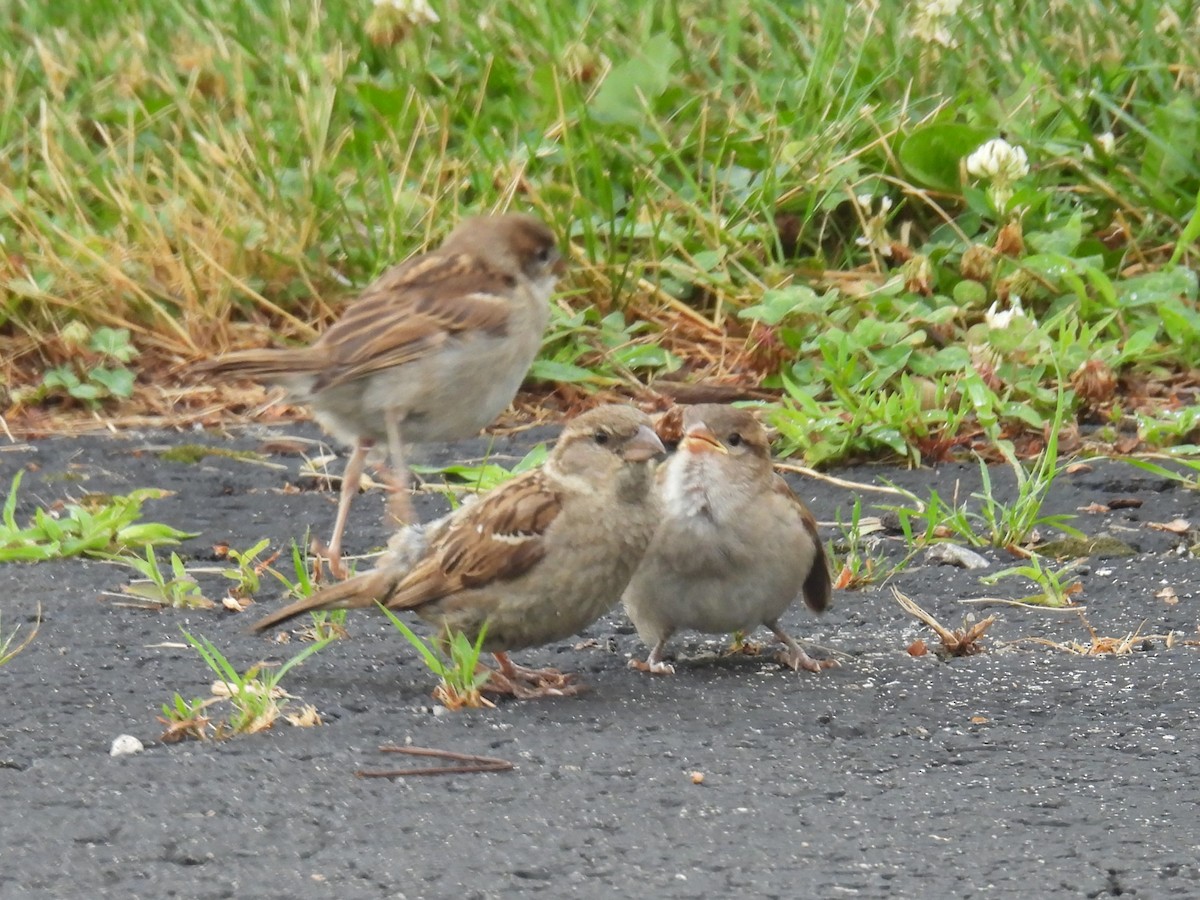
<point>537,559</point>
<point>433,350</point>
<point>735,546</point>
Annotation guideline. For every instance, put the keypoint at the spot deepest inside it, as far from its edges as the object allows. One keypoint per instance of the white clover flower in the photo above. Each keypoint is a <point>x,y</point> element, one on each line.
<point>929,22</point>
<point>998,160</point>
<point>875,233</point>
<point>999,320</point>
<point>1002,164</point>
<point>1106,142</point>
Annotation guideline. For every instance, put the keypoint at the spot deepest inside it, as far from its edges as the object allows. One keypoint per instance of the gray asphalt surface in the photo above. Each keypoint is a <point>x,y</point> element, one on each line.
<point>1024,771</point>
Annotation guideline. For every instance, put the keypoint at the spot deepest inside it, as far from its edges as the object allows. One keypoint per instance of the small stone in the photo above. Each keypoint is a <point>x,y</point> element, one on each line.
<point>125,744</point>
<point>954,555</point>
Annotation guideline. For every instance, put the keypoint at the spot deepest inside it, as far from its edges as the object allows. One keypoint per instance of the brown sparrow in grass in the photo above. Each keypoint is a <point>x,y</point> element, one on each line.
<point>432,350</point>
<point>735,546</point>
<point>537,559</point>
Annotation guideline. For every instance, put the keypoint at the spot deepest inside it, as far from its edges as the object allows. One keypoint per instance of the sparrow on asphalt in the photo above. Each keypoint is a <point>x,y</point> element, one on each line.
<point>735,546</point>
<point>537,559</point>
<point>432,350</point>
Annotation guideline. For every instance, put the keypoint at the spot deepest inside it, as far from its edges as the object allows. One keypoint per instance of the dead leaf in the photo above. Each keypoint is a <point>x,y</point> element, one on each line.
<point>1175,526</point>
<point>979,720</point>
<point>1168,596</point>
<point>307,717</point>
<point>1079,468</point>
<point>233,604</point>
<point>917,648</point>
<point>1094,508</point>
<point>845,577</point>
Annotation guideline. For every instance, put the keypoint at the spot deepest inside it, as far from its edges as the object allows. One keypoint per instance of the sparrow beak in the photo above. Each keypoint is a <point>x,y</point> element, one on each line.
<point>643,446</point>
<point>559,266</point>
<point>700,439</point>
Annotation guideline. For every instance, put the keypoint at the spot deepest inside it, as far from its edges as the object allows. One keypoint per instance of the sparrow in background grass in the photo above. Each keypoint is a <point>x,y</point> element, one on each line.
<point>433,350</point>
<point>537,559</point>
<point>735,546</point>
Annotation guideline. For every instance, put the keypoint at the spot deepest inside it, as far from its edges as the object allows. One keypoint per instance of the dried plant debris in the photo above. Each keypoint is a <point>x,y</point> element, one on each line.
<point>964,641</point>
<point>1108,646</point>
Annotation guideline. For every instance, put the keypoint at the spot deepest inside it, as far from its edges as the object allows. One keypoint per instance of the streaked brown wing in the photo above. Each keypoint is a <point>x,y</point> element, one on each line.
<point>497,539</point>
<point>411,310</point>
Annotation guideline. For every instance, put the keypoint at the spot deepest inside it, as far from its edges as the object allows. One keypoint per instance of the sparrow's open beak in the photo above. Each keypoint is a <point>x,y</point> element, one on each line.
<point>700,439</point>
<point>643,445</point>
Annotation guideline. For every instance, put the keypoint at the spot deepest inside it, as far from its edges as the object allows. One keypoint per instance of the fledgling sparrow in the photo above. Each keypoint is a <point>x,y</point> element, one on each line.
<point>735,546</point>
<point>538,558</point>
<point>432,350</point>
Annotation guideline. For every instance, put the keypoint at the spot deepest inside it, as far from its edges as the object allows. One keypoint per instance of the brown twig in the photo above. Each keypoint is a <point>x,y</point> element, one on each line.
<point>474,763</point>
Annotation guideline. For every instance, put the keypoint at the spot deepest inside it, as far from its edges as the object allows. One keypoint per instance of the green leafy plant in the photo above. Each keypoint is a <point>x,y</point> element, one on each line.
<point>326,624</point>
<point>994,522</point>
<point>255,698</point>
<point>8,648</point>
<point>479,479</point>
<point>186,718</point>
<point>98,372</point>
<point>247,571</point>
<point>93,526</point>
<point>300,585</point>
<point>587,348</point>
<point>455,661</point>
<point>1056,587</point>
<point>179,591</point>
<point>1182,471</point>
<point>855,560</point>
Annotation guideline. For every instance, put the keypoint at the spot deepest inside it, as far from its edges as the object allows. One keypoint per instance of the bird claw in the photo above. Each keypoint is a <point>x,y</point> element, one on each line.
<point>657,667</point>
<point>321,558</point>
<point>796,659</point>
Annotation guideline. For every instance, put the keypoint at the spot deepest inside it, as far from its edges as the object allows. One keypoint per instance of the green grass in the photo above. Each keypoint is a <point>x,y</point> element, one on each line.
<point>203,174</point>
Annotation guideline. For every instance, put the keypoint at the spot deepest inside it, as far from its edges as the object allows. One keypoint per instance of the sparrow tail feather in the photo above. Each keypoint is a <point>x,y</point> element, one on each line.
<point>263,364</point>
<point>818,586</point>
<point>358,592</point>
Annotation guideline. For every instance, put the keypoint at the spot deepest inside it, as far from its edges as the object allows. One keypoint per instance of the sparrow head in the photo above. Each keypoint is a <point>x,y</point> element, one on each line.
<point>715,430</point>
<point>601,442</point>
<point>514,243</point>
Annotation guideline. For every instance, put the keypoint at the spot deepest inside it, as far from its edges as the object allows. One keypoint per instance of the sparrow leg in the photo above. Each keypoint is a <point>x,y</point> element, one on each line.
<point>351,478</point>
<point>399,505</point>
<point>794,657</point>
<point>654,662</point>
<point>526,684</point>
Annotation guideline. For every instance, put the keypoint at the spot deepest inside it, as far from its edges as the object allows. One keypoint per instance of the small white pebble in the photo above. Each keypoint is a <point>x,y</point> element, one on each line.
<point>124,744</point>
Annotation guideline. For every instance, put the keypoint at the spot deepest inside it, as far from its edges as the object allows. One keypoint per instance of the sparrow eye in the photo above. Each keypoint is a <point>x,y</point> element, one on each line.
<point>734,440</point>
<point>601,437</point>
<point>546,253</point>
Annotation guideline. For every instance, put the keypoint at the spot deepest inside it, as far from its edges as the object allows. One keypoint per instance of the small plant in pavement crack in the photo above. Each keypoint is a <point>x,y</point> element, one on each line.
<point>9,649</point>
<point>1056,587</point>
<point>455,661</point>
<point>255,698</point>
